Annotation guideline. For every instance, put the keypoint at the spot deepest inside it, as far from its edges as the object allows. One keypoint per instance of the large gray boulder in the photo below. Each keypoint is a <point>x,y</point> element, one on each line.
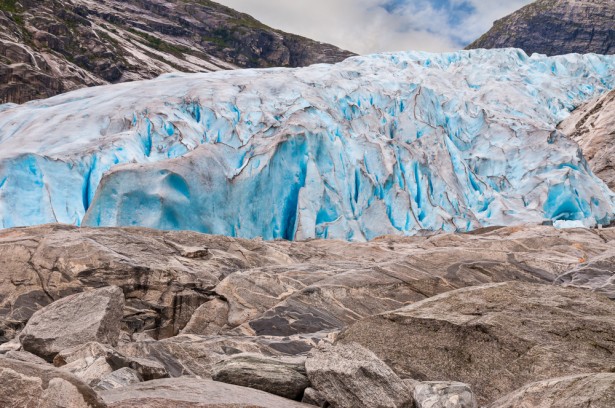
<point>283,377</point>
<point>350,376</point>
<point>192,393</point>
<point>41,386</point>
<point>597,274</point>
<point>578,391</point>
<point>496,337</point>
<point>89,316</point>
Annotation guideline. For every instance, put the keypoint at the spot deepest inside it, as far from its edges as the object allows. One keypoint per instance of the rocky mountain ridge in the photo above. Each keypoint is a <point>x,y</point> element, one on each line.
<point>556,27</point>
<point>53,46</point>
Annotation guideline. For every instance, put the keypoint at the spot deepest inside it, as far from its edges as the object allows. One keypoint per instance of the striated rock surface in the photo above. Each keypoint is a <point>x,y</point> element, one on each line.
<point>495,337</point>
<point>28,385</point>
<point>556,27</point>
<point>76,319</point>
<point>434,394</point>
<point>350,376</point>
<point>304,290</point>
<point>53,46</point>
<point>592,126</point>
<point>579,391</point>
<point>192,393</point>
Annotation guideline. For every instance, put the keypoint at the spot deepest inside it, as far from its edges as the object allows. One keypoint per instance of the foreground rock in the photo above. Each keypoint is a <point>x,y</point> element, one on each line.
<point>32,385</point>
<point>349,376</point>
<point>90,316</point>
<point>268,288</point>
<point>275,376</point>
<point>496,337</point>
<point>586,390</point>
<point>190,392</point>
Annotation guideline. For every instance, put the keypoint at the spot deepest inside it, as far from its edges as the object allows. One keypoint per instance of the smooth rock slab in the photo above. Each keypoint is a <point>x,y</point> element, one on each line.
<point>580,391</point>
<point>275,376</point>
<point>496,337</point>
<point>350,376</point>
<point>89,316</point>
<point>41,386</point>
<point>192,393</point>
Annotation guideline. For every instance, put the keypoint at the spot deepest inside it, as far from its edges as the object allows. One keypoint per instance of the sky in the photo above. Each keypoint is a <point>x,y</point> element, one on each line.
<point>367,26</point>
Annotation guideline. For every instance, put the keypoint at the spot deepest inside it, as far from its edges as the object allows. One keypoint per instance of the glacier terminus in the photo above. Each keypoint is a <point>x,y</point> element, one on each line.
<point>381,144</point>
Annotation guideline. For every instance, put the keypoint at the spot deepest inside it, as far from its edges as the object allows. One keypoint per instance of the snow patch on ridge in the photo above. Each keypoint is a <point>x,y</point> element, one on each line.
<point>382,144</point>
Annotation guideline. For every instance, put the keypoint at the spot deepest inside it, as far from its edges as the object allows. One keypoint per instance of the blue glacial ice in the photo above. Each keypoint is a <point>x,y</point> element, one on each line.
<point>381,144</point>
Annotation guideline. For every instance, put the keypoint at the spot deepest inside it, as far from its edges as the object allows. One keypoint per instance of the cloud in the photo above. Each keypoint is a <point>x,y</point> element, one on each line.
<point>366,26</point>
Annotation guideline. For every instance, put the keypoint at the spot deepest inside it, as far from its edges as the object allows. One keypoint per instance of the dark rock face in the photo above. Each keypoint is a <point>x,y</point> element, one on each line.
<point>495,337</point>
<point>556,27</point>
<point>53,46</point>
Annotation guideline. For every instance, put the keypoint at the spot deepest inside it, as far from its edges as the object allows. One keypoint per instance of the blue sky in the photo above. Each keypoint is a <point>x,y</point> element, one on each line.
<point>366,26</point>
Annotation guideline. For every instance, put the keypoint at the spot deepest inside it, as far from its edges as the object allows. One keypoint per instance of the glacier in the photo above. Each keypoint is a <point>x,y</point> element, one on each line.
<point>380,144</point>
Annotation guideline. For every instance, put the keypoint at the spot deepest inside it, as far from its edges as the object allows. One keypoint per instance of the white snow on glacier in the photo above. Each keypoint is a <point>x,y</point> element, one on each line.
<point>381,144</point>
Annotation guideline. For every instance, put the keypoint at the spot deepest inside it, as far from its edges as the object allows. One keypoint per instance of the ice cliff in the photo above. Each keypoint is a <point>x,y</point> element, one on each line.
<point>382,144</point>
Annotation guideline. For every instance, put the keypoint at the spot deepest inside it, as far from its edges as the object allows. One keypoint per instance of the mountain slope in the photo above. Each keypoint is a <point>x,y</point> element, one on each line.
<point>52,46</point>
<point>556,27</point>
<point>383,144</point>
<point>592,126</point>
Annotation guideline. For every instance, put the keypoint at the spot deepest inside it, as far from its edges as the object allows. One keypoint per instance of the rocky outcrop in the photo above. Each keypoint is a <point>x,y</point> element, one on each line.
<point>191,392</point>
<point>275,376</point>
<point>556,27</point>
<point>53,46</point>
<point>33,385</point>
<point>585,390</point>
<point>303,290</point>
<point>349,376</point>
<point>249,313</point>
<point>76,319</point>
<point>496,337</point>
<point>592,126</point>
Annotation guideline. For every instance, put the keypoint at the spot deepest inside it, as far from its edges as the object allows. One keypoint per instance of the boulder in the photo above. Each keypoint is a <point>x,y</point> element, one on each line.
<point>89,370</point>
<point>578,391</point>
<point>89,316</point>
<point>188,392</point>
<point>350,376</point>
<point>286,378</point>
<point>495,337</point>
<point>25,356</point>
<point>313,397</point>
<point>118,379</point>
<point>26,384</point>
<point>434,394</point>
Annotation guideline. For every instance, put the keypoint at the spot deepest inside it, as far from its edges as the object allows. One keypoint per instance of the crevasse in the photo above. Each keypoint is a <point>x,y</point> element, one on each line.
<point>381,144</point>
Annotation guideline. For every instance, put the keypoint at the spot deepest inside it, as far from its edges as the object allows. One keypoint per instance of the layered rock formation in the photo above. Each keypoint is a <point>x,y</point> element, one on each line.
<point>425,321</point>
<point>54,46</point>
<point>592,126</point>
<point>556,27</point>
